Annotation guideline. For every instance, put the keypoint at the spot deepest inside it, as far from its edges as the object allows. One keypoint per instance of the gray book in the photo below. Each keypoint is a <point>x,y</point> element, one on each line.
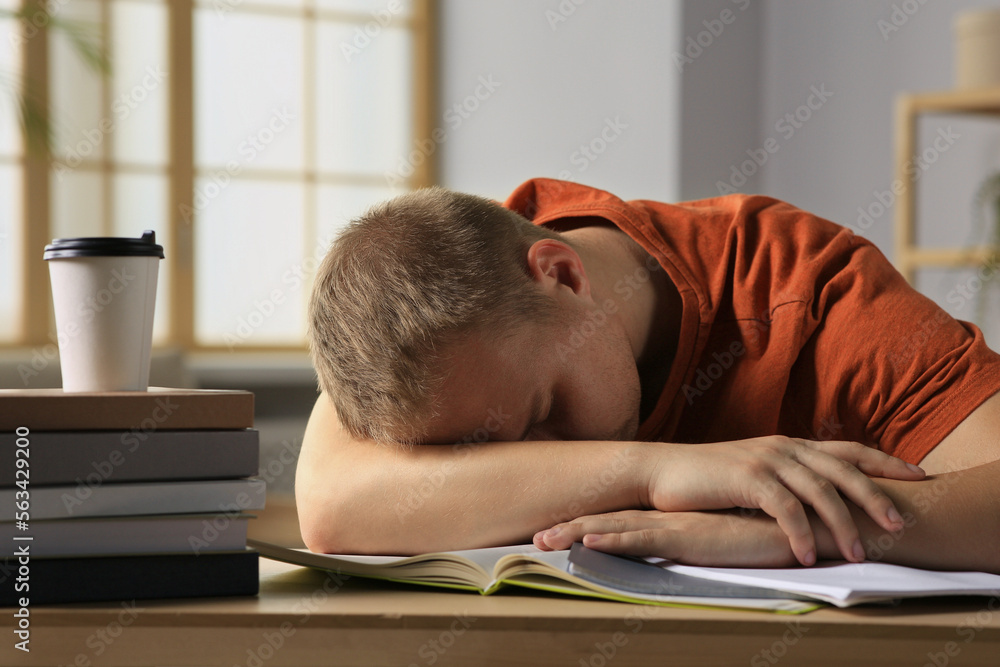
<point>66,502</point>
<point>94,458</point>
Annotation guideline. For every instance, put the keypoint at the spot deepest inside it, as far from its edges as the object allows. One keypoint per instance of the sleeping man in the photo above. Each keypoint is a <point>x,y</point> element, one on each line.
<point>731,381</point>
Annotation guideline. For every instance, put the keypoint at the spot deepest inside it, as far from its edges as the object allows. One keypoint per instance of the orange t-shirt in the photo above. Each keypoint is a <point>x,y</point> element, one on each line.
<point>790,325</point>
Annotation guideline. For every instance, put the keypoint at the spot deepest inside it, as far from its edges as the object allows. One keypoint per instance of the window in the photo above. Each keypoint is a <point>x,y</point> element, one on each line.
<point>245,132</point>
<point>10,188</point>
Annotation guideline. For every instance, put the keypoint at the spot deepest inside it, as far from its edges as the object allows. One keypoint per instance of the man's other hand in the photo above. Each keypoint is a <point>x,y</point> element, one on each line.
<point>781,476</point>
<point>711,539</point>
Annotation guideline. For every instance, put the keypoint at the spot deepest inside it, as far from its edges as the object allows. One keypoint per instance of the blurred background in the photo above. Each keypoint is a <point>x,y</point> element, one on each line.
<point>247,132</point>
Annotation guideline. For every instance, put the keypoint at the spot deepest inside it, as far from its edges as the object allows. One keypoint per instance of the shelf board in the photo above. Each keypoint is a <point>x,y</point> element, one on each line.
<point>951,257</point>
<point>978,100</point>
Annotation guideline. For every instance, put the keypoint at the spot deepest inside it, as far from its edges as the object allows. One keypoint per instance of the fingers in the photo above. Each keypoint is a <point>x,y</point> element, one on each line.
<point>647,542</point>
<point>695,538</point>
<point>780,503</point>
<point>648,532</point>
<point>709,549</point>
<point>563,535</point>
<point>855,485</point>
<point>869,460</point>
<point>817,478</point>
<point>803,485</point>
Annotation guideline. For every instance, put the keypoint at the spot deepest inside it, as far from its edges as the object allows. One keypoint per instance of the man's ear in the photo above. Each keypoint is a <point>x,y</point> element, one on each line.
<point>555,266</point>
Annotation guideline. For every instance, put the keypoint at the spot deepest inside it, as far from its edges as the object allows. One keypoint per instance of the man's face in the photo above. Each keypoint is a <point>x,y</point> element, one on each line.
<point>541,383</point>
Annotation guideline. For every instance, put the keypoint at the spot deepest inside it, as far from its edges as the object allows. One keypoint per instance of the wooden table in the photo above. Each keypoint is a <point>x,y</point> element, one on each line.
<point>304,617</point>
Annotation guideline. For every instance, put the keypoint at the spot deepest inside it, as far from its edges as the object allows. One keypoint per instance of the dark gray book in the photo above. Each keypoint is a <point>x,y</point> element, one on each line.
<point>129,578</point>
<point>635,575</point>
<point>92,458</point>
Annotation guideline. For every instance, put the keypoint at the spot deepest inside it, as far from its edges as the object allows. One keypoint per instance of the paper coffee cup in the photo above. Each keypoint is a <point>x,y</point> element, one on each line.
<point>104,294</point>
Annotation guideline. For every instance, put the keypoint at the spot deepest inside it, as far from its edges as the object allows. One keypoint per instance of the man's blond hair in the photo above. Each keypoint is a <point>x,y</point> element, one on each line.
<point>398,286</point>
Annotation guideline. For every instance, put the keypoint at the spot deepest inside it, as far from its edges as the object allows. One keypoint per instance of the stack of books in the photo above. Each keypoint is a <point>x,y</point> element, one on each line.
<point>126,495</point>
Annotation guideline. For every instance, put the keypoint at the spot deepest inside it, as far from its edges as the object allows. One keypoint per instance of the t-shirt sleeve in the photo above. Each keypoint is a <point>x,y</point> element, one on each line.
<point>890,363</point>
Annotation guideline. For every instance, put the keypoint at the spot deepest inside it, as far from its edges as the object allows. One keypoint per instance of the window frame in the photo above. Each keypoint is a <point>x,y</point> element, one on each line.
<point>37,318</point>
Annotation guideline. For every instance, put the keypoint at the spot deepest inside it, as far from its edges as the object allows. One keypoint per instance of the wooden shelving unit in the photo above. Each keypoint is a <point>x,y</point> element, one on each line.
<point>909,107</point>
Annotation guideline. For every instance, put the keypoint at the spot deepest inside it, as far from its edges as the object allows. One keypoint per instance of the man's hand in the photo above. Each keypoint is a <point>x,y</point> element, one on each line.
<point>952,523</point>
<point>711,539</point>
<point>780,475</point>
<point>952,519</point>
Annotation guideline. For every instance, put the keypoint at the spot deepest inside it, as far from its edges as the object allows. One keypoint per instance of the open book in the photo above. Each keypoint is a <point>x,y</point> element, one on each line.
<point>589,573</point>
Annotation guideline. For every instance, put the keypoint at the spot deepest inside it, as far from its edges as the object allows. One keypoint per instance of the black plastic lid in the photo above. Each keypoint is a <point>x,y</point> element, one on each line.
<point>105,246</point>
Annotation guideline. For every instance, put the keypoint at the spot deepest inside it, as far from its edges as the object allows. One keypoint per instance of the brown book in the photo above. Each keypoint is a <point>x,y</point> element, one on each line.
<point>142,411</point>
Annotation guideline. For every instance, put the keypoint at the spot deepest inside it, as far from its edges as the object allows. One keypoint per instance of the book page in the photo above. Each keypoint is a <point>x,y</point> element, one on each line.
<point>485,558</point>
<point>488,558</point>
<point>472,567</point>
<point>842,583</point>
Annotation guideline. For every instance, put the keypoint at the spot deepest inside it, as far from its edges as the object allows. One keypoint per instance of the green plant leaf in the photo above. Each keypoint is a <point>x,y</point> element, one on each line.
<point>987,199</point>
<point>87,43</point>
<point>33,115</point>
<point>985,202</point>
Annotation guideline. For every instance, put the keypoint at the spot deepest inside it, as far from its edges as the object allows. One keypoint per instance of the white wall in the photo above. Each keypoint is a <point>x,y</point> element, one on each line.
<point>720,95</point>
<point>842,158</point>
<point>567,71</point>
<point>565,66</point>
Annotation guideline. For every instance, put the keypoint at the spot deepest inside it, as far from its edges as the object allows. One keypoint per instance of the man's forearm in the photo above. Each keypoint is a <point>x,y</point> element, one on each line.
<point>361,497</point>
<point>443,498</point>
<point>952,522</point>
